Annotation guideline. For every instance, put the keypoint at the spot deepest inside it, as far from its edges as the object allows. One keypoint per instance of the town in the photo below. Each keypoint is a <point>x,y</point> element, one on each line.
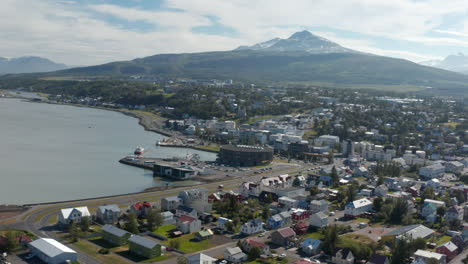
<point>305,176</point>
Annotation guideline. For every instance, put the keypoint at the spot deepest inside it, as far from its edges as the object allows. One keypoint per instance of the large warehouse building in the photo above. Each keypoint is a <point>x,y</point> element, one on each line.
<point>244,155</point>
<point>51,251</point>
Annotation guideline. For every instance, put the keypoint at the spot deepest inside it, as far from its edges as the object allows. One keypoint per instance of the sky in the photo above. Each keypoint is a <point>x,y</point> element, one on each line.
<point>89,32</point>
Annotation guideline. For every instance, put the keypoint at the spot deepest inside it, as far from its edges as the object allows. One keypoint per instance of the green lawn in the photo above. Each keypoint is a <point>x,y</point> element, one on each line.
<point>361,220</point>
<point>269,261</point>
<point>164,230</point>
<point>92,250</point>
<point>209,148</point>
<point>187,245</point>
<point>130,256</point>
<point>314,235</point>
<point>442,239</point>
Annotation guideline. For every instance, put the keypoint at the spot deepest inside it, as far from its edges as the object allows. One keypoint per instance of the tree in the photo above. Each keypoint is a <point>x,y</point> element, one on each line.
<point>314,190</point>
<point>428,193</point>
<point>182,260</point>
<point>399,211</point>
<point>296,182</point>
<point>401,252</point>
<point>378,202</point>
<point>334,176</point>
<point>266,212</point>
<point>254,253</point>
<point>351,193</point>
<point>331,239</point>
<point>74,231</point>
<point>11,241</point>
<point>229,226</point>
<point>132,224</point>
<point>154,219</point>
<point>85,223</point>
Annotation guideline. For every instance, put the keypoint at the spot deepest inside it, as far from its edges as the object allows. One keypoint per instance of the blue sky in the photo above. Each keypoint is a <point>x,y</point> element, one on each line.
<point>87,32</point>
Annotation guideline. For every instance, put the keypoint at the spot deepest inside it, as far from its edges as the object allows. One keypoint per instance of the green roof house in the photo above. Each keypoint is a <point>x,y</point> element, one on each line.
<point>204,234</point>
<point>115,235</point>
<point>145,247</point>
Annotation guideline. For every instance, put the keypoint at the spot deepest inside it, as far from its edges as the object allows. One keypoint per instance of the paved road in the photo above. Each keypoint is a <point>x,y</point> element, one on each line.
<point>36,220</point>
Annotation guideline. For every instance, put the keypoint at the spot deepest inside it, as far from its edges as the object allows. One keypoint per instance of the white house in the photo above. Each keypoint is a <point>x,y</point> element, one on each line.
<point>187,224</point>
<point>423,257</point>
<point>358,207</point>
<point>252,227</point>
<point>74,215</point>
<point>287,202</point>
<point>343,256</point>
<point>454,166</point>
<point>235,255</point>
<point>433,171</point>
<point>327,140</point>
<point>51,251</point>
<point>318,220</point>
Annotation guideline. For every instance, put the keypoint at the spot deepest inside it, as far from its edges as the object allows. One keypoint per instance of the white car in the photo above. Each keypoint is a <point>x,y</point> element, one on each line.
<point>282,255</point>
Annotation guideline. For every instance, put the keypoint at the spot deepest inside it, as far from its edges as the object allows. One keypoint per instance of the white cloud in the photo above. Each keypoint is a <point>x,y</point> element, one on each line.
<point>68,32</point>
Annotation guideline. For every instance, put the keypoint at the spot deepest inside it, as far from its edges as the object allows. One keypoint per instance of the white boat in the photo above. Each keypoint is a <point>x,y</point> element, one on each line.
<point>139,151</point>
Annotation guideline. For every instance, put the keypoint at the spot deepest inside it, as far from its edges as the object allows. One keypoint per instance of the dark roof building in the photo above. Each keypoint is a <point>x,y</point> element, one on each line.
<point>245,155</point>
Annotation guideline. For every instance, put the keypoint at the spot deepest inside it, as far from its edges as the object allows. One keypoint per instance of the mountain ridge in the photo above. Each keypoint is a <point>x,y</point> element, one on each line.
<point>29,64</point>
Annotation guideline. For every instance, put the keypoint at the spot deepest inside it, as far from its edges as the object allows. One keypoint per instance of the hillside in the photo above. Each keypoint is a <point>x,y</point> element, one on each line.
<point>28,65</point>
<point>290,61</point>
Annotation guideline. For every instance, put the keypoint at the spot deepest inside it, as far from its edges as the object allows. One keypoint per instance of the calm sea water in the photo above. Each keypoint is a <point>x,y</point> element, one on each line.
<point>57,152</point>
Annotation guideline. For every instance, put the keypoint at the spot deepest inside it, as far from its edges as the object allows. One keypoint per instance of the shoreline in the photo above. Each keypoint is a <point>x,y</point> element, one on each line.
<point>142,121</point>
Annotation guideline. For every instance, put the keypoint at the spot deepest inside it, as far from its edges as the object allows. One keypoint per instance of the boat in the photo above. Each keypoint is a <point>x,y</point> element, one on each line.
<point>139,151</point>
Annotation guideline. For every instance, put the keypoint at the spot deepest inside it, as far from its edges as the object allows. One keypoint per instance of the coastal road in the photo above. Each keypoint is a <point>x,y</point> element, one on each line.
<point>37,220</point>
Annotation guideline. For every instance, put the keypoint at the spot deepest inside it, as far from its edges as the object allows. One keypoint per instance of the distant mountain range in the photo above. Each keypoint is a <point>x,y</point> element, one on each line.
<point>303,58</point>
<point>456,62</point>
<point>29,65</point>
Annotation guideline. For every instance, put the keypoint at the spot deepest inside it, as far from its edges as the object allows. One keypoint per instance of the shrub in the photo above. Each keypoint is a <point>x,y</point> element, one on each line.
<point>104,251</point>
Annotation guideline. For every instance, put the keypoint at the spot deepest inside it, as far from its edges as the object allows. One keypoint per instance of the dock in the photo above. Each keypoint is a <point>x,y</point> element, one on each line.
<point>140,162</point>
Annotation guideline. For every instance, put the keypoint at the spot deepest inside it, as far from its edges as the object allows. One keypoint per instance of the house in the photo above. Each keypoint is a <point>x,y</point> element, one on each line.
<point>358,207</point>
<point>432,171</point>
<point>311,246</point>
<point>429,212</point>
<point>234,255</point>
<point>318,220</point>
<point>275,221</point>
<point>454,212</point>
<point>108,214</point>
<point>170,203</point>
<point>196,198</point>
<point>298,214</point>
<point>168,218</point>
<point>454,167</point>
<point>343,256</point>
<point>318,206</point>
<point>381,190</point>
<point>69,215</point>
<point>51,251</point>
<point>423,257</point>
<point>361,172</point>
<point>145,247</point>
<point>221,223</point>
<point>379,259</point>
<point>301,228</point>
<point>283,237</point>
<point>114,235</point>
<point>449,249</point>
<point>201,258</point>
<point>248,243</point>
<point>411,232</point>
<point>185,210</point>
<point>187,224</point>
<point>287,202</point>
<point>252,227</point>
<point>204,234</point>
<point>140,209</point>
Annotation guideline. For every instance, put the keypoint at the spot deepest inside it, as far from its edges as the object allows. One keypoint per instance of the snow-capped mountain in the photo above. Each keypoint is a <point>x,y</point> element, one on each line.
<point>299,41</point>
<point>456,62</point>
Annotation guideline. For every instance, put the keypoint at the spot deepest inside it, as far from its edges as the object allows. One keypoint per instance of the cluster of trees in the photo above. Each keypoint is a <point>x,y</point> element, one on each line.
<point>11,241</point>
<point>389,169</point>
<point>392,211</point>
<point>77,230</point>
<point>154,219</point>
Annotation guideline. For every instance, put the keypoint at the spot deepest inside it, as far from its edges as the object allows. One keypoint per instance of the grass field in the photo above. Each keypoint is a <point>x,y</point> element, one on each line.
<point>209,148</point>
<point>92,250</point>
<point>314,235</point>
<point>442,239</point>
<point>164,230</point>
<point>187,244</point>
